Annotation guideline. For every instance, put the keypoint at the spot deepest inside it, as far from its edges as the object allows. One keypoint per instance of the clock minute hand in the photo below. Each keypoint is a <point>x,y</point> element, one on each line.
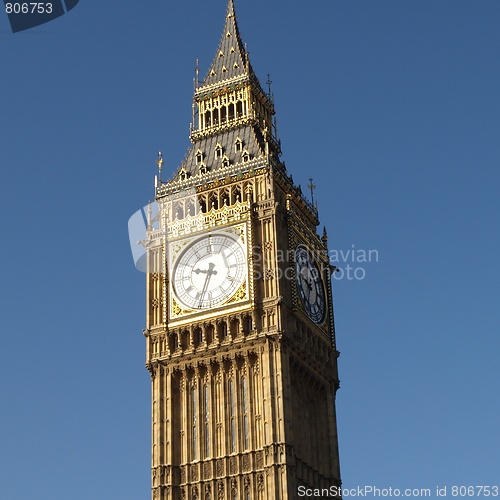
<point>305,286</point>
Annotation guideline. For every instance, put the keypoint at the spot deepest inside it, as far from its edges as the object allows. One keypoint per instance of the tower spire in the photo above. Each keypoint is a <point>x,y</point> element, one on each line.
<point>232,114</point>
<point>231,60</point>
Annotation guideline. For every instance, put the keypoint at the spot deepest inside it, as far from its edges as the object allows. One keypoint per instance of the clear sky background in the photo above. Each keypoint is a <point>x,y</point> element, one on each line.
<point>392,106</point>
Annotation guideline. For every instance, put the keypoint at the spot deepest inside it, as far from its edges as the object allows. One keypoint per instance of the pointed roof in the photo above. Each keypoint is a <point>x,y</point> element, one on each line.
<point>230,139</point>
<point>231,59</point>
<point>251,139</point>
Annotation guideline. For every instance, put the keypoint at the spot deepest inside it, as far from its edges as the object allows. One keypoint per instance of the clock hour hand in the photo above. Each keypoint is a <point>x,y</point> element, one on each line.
<point>207,271</point>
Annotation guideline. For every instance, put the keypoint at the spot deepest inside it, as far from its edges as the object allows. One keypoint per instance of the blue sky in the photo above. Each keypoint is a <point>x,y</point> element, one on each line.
<point>391,105</point>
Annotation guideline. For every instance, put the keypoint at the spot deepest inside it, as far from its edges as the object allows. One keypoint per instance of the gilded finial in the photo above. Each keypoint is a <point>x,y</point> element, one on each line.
<point>160,162</point>
<point>197,73</point>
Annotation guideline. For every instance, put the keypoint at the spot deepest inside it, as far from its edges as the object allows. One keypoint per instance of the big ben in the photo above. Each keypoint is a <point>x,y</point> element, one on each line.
<point>240,334</point>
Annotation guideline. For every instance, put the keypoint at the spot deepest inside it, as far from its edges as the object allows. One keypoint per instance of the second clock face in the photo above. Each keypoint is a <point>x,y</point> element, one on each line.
<point>310,285</point>
<point>209,271</point>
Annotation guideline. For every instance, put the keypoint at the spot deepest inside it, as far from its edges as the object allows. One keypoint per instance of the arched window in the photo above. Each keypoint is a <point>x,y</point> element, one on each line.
<point>197,337</point>
<point>244,390</point>
<point>222,330</point>
<point>203,204</point>
<point>236,195</point>
<point>232,413</point>
<point>239,109</point>
<point>199,157</point>
<point>178,211</point>
<point>185,339</point>
<point>247,325</point>
<point>234,327</point>
<point>218,151</point>
<point>209,334</point>
<point>194,424</point>
<point>183,174</point>
<point>206,408</point>
<point>173,342</point>
<point>213,202</point>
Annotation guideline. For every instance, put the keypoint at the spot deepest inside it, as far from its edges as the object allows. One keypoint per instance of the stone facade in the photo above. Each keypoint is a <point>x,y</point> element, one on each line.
<point>243,391</point>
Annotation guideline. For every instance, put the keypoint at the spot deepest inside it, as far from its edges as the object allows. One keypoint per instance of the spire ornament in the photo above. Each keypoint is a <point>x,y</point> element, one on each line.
<point>312,187</point>
<point>160,163</point>
<point>269,91</point>
<point>324,238</point>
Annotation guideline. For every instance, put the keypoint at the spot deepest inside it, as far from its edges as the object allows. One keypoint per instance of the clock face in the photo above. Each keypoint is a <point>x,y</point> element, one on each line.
<point>310,285</point>
<point>209,271</point>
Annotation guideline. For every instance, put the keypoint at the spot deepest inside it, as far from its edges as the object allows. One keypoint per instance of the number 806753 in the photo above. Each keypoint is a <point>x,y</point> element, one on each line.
<point>28,8</point>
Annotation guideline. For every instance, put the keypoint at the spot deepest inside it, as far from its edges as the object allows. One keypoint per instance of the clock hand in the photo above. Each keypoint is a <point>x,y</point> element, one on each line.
<point>198,271</point>
<point>305,286</point>
<point>209,273</point>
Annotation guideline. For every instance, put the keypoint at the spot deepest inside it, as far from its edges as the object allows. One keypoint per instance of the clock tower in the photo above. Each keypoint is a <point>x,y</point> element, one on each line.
<point>240,333</point>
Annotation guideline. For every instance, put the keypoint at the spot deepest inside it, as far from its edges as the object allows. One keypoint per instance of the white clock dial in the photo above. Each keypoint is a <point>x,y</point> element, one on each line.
<point>209,271</point>
<point>310,285</point>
